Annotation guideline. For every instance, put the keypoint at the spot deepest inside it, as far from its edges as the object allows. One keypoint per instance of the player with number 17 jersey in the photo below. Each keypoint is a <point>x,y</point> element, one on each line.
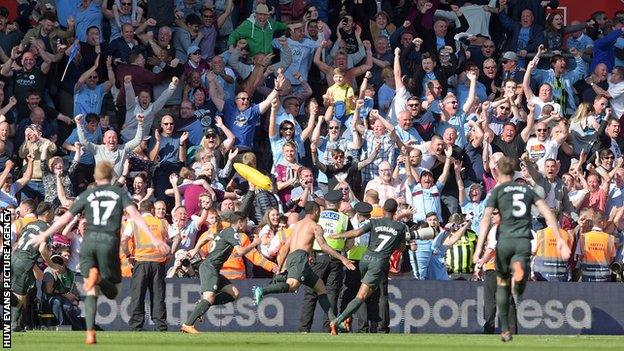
<point>103,208</point>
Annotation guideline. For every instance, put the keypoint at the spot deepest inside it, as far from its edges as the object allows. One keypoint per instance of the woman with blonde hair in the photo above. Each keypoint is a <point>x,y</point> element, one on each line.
<point>583,128</point>
<point>348,197</point>
<point>53,175</point>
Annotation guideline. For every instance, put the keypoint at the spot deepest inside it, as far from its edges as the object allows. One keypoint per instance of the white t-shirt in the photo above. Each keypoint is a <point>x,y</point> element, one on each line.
<point>617,98</point>
<point>539,104</point>
<point>540,151</point>
<point>188,233</point>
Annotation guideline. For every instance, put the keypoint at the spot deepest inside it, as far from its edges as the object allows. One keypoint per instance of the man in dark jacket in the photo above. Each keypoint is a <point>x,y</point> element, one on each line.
<point>526,35</point>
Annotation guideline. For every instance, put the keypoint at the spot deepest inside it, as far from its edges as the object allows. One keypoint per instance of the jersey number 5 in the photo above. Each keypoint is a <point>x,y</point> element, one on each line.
<point>384,241</point>
<point>105,208</point>
<point>519,207</point>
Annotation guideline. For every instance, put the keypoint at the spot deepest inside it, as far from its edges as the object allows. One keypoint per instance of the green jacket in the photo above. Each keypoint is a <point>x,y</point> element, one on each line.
<point>258,39</point>
<point>56,33</point>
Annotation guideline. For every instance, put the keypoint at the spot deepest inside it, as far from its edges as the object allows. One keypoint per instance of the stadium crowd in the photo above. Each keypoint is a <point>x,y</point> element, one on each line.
<point>338,102</point>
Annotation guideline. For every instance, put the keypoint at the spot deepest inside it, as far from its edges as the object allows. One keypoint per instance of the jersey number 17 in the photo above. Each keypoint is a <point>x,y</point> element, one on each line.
<point>102,210</point>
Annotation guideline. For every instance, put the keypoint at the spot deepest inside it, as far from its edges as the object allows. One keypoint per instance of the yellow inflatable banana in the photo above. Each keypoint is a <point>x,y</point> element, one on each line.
<point>253,176</point>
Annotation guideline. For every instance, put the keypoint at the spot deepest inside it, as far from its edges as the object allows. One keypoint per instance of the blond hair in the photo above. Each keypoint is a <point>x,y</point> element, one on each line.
<point>103,171</point>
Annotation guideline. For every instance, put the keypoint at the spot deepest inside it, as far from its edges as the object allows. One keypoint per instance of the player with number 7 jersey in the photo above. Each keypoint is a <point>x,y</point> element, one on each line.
<point>386,235</point>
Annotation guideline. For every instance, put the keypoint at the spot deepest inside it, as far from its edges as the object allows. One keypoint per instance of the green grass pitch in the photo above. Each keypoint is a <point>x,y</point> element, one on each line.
<point>175,341</point>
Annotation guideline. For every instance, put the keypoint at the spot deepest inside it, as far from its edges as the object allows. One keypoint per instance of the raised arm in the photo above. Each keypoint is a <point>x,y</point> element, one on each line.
<point>272,127</point>
<point>230,138</point>
<point>217,95</point>
<point>526,82</point>
<point>266,103</point>
<point>173,180</point>
<point>315,160</point>
<point>89,146</point>
<point>83,77</point>
<point>457,168</point>
<point>307,132</point>
<point>229,6</point>
<point>371,157</point>
<point>323,67</point>
<point>448,151</point>
<point>526,132</point>
<point>471,91</point>
<point>110,74</point>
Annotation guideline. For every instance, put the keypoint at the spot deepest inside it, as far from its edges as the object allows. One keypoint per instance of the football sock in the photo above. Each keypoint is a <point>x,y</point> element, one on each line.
<point>16,312</point>
<point>502,305</point>
<point>276,288</point>
<point>323,300</point>
<point>519,287</point>
<point>200,308</point>
<point>353,306</point>
<point>222,298</point>
<point>108,289</point>
<point>90,310</point>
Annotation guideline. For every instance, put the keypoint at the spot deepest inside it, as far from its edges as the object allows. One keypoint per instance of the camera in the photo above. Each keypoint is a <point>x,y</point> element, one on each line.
<point>194,261</point>
<point>57,259</point>
<point>616,270</point>
<point>417,233</point>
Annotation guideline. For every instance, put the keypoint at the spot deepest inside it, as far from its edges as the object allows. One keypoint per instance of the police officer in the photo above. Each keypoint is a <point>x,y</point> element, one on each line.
<point>328,269</point>
<point>370,310</point>
<point>149,270</point>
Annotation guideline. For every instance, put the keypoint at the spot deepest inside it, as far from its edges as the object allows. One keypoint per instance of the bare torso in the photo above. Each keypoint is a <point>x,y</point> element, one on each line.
<point>303,235</point>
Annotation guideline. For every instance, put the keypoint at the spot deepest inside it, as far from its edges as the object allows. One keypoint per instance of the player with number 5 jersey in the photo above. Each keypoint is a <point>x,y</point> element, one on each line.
<point>513,247</point>
<point>103,207</point>
<point>386,235</point>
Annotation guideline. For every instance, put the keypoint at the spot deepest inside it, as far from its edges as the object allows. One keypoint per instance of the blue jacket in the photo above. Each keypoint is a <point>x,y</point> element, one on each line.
<point>604,50</point>
<point>536,34</point>
<point>542,76</point>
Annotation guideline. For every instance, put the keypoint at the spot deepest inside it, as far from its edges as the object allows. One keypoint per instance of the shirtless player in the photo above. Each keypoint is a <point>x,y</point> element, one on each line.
<point>297,265</point>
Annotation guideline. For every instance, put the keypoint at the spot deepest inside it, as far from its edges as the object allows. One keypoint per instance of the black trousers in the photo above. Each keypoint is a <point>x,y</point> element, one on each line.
<point>148,276</point>
<point>330,271</point>
<point>384,306</point>
<point>367,315</point>
<point>489,306</point>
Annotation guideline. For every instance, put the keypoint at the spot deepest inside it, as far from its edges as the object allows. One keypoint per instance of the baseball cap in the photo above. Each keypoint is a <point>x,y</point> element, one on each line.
<point>262,9</point>
<point>210,131</point>
<point>424,170</point>
<point>509,55</point>
<point>191,49</point>
<point>518,175</point>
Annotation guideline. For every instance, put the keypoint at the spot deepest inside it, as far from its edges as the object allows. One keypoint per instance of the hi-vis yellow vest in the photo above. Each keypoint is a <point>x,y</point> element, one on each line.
<point>20,224</point>
<point>359,246</point>
<point>332,222</point>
